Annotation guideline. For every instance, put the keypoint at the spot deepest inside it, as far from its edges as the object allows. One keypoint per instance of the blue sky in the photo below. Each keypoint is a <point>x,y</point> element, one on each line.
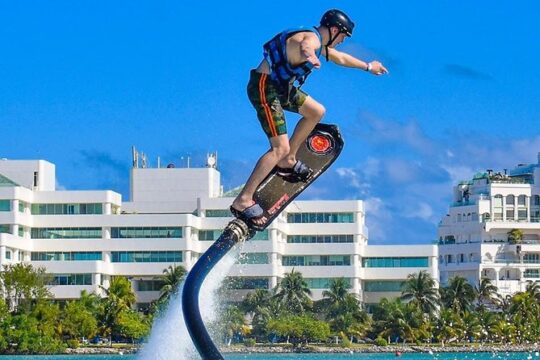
<point>84,81</point>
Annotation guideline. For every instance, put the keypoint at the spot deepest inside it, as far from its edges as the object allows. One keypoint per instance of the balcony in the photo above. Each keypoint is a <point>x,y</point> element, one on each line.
<point>464,203</point>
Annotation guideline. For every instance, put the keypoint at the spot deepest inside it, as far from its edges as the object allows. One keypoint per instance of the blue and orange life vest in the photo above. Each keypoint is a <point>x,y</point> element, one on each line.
<point>275,52</point>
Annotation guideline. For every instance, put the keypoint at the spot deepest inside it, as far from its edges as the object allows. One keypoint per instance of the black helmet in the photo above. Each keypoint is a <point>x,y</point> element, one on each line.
<point>338,19</point>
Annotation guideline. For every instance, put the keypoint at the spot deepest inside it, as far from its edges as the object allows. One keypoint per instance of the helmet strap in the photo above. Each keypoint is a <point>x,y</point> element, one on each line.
<point>330,41</point>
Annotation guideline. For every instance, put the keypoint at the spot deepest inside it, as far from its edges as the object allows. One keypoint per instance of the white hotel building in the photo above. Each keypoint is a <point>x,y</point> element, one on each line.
<point>83,238</point>
<point>473,236</point>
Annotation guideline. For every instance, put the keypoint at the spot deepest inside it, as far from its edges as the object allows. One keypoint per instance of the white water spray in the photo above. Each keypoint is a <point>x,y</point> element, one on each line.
<point>169,339</point>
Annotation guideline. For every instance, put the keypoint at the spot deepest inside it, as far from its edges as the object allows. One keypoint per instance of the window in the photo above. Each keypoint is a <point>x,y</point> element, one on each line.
<point>536,200</point>
<point>8,254</point>
<point>317,260</point>
<point>145,232</point>
<point>149,285</point>
<point>260,236</point>
<point>67,209</point>
<point>253,258</point>
<point>320,218</point>
<point>522,214</point>
<point>510,200</point>
<point>66,256</point>
<point>217,213</point>
<point>382,286</point>
<point>319,239</point>
<point>497,207</point>
<point>379,262</point>
<point>5,205</point>
<point>72,279</point>
<point>4,228</point>
<point>146,256</point>
<point>324,283</point>
<point>66,233</point>
<point>522,200</point>
<point>510,213</point>
<point>246,283</point>
<point>209,235</point>
<point>531,273</point>
<point>531,258</point>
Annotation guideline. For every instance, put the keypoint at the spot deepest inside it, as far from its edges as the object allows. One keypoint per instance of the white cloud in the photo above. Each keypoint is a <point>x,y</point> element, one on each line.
<point>421,210</point>
<point>458,172</point>
<point>349,175</point>
<point>378,217</point>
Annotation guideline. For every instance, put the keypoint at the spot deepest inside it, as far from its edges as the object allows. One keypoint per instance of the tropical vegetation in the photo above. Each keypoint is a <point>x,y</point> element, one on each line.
<point>32,322</point>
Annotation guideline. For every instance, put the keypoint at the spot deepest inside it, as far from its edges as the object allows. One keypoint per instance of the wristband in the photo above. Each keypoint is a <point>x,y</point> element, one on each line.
<point>369,67</point>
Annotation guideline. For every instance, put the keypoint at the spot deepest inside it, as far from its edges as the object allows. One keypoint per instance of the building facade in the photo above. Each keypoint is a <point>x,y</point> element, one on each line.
<point>492,229</point>
<point>83,238</point>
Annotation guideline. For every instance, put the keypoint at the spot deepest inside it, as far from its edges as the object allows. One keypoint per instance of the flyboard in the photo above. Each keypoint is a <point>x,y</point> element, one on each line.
<point>319,151</point>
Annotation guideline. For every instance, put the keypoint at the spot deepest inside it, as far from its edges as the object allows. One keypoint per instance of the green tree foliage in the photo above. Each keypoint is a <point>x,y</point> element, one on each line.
<point>459,295</point>
<point>119,297</point>
<point>132,325</point>
<point>515,236</point>
<point>293,293</point>
<point>342,310</point>
<point>172,277</point>
<point>22,284</point>
<point>419,289</point>
<point>299,329</point>
<point>232,322</point>
<point>487,293</point>
<point>260,307</point>
<point>79,321</point>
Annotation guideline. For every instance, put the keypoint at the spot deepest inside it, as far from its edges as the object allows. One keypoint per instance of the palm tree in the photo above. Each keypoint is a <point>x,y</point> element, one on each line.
<point>533,288</point>
<point>420,290</point>
<point>390,319</point>
<point>487,320</point>
<point>232,323</point>
<point>515,236</point>
<point>341,308</point>
<point>293,292</point>
<point>458,295</point>
<point>120,291</point>
<point>487,292</point>
<point>258,305</point>
<point>471,326</point>
<point>338,291</point>
<point>119,297</point>
<point>172,277</point>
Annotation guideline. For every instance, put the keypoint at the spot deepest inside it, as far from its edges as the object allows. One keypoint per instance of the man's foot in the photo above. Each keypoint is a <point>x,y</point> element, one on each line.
<point>299,172</point>
<point>253,215</point>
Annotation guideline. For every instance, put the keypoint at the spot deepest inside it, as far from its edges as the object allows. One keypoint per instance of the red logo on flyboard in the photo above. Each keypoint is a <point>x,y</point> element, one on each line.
<point>282,200</point>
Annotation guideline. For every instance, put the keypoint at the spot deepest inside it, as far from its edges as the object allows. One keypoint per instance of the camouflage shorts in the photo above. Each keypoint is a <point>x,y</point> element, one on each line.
<point>269,100</point>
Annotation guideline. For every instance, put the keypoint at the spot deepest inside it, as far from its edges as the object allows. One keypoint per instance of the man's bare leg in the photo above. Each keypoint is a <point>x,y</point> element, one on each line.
<point>279,149</point>
<point>312,112</point>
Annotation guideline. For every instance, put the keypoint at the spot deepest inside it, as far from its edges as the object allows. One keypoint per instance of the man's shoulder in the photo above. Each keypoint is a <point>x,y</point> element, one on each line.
<point>304,34</point>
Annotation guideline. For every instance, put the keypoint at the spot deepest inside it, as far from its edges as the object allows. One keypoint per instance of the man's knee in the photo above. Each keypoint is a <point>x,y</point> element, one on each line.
<point>320,111</point>
<point>316,112</point>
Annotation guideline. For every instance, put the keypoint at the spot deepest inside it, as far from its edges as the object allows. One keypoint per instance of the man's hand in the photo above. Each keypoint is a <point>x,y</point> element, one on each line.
<point>314,60</point>
<point>377,68</point>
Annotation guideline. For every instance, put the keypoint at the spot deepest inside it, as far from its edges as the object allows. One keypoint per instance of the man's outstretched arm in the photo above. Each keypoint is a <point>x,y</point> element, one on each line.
<point>344,59</point>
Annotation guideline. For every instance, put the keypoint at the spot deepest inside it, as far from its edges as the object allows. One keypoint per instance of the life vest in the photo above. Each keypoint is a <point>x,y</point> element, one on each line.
<point>275,52</point>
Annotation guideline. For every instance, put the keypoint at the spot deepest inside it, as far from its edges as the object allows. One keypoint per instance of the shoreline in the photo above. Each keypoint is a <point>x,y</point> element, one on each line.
<point>284,349</point>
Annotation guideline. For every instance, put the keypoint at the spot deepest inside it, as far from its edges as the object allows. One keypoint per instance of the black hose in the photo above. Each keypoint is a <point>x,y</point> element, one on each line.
<point>236,231</point>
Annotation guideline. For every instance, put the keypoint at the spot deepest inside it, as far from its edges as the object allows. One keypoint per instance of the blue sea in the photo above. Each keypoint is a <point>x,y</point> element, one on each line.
<point>415,356</point>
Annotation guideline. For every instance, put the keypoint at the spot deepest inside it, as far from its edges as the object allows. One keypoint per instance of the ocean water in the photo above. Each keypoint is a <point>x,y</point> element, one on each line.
<point>414,356</point>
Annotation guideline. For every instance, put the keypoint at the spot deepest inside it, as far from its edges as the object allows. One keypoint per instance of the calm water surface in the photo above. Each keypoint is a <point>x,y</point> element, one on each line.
<point>455,356</point>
